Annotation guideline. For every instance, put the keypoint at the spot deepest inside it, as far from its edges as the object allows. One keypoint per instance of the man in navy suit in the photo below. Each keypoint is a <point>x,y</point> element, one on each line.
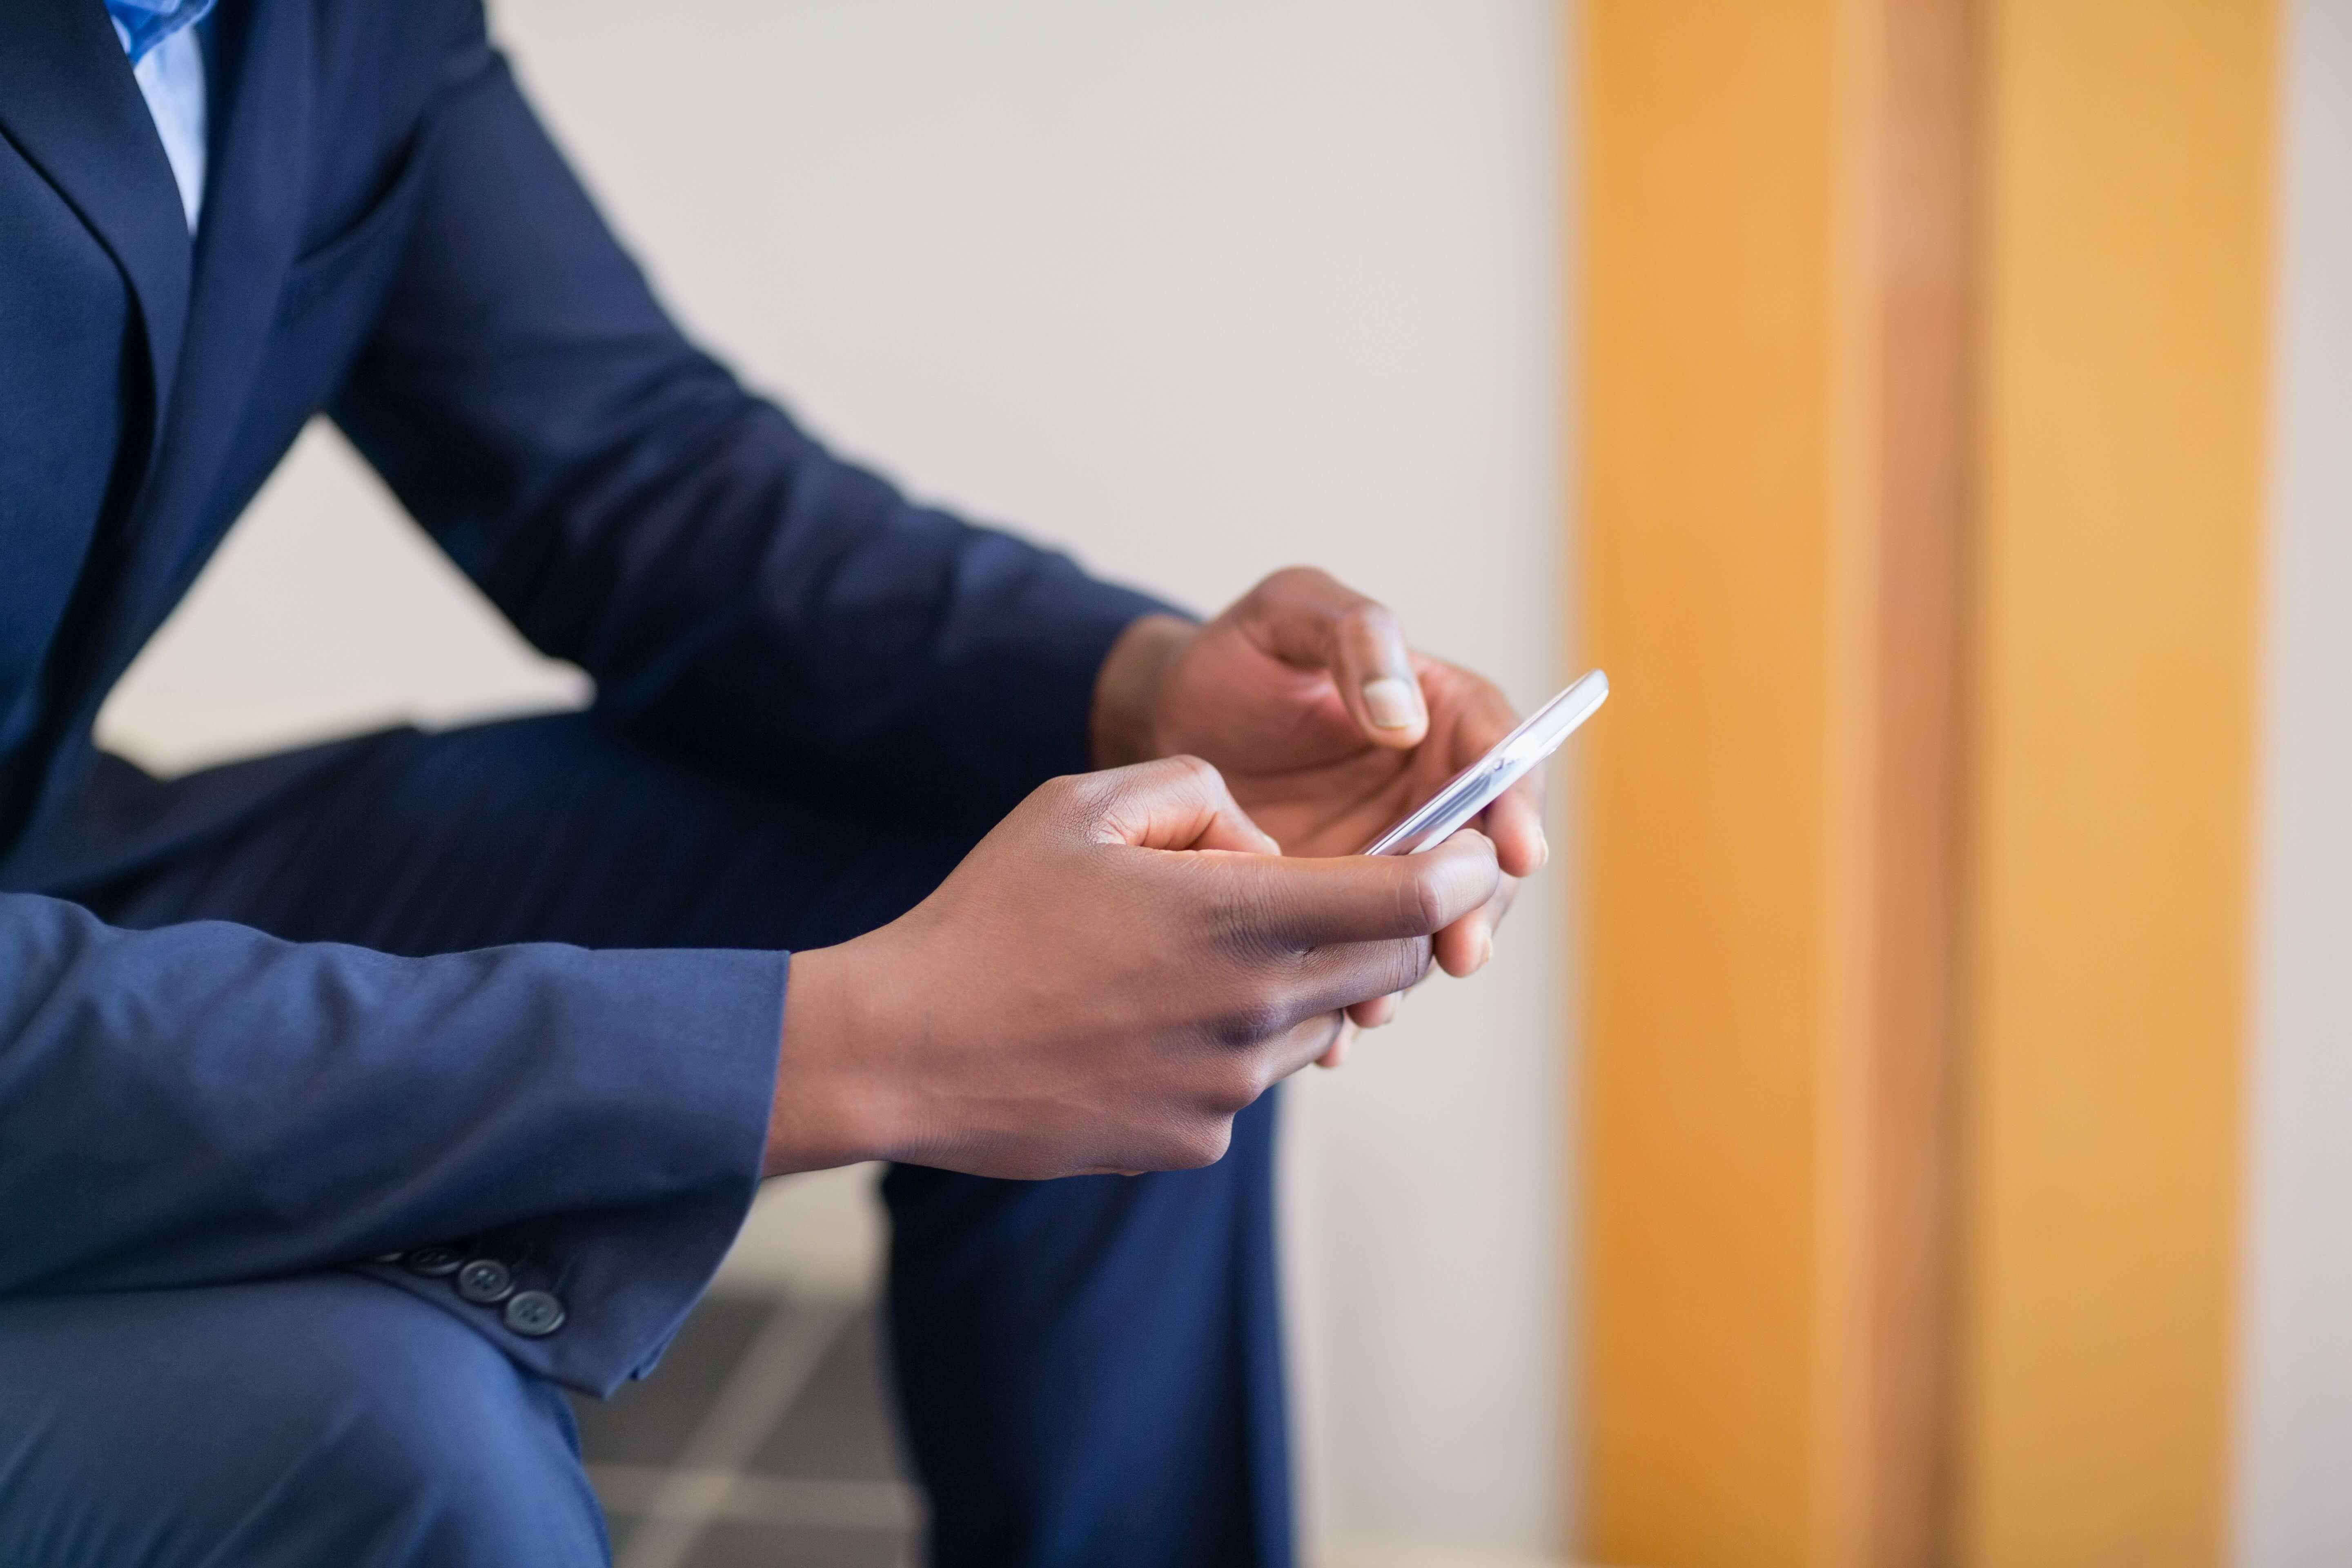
<point>352,1101</point>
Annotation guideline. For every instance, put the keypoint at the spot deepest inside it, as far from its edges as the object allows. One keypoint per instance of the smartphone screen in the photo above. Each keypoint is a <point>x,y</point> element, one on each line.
<point>1472,790</point>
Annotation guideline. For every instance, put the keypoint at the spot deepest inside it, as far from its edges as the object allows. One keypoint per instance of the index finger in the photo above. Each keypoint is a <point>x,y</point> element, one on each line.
<point>1171,803</point>
<point>1357,898</point>
<point>1308,618</point>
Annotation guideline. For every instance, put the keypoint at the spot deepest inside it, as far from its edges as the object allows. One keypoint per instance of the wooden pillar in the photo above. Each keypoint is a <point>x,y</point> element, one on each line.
<point>1776,403</point>
<point>2127,274</point>
<point>1921,374</point>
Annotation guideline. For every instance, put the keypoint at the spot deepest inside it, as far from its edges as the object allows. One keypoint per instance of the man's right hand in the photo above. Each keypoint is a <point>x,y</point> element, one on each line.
<point>1122,965</point>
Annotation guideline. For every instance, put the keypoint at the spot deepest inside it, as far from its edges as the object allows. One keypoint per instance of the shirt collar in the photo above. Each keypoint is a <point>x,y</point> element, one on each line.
<point>143,23</point>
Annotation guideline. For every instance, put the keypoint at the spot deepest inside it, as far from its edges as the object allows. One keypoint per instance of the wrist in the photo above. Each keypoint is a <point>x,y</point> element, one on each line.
<point>833,1102</point>
<point>1127,690</point>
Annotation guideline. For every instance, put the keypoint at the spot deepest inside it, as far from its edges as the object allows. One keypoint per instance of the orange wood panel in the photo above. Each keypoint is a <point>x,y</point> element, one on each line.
<point>1775,396</point>
<point>1707,311</point>
<point>2126,274</point>
<point>1907,294</point>
<point>1902,333</point>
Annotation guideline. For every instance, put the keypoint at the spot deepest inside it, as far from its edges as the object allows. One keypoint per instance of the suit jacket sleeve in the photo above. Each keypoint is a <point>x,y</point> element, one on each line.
<point>203,1103</point>
<point>729,583</point>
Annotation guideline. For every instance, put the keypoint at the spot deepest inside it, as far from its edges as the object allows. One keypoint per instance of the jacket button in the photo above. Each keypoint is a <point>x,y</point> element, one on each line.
<point>534,1315</point>
<point>485,1281</point>
<point>433,1262</point>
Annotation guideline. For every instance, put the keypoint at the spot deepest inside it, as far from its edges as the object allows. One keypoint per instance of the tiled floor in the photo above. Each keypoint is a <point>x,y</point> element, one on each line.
<point>763,1440</point>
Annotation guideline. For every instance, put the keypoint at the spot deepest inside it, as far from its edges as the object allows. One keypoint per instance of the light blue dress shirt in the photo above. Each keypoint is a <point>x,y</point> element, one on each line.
<point>168,63</point>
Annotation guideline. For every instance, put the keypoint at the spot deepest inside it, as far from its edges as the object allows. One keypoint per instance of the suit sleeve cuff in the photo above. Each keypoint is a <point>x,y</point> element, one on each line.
<point>591,1300</point>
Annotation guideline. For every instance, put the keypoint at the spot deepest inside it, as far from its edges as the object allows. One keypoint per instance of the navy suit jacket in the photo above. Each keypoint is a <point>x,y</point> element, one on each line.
<point>389,237</point>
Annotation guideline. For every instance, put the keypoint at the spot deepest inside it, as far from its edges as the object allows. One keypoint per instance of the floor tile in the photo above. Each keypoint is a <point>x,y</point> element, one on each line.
<point>842,1427</point>
<point>785,1546</point>
<point>649,1422</point>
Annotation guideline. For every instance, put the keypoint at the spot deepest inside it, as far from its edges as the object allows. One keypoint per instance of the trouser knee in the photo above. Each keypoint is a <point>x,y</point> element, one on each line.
<point>324,1419</point>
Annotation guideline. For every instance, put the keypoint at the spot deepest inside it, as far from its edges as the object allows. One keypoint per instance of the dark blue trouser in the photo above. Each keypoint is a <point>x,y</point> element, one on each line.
<point>1088,1369</point>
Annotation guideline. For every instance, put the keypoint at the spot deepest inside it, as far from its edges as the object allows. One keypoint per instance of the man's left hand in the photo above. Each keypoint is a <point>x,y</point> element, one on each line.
<point>1326,727</point>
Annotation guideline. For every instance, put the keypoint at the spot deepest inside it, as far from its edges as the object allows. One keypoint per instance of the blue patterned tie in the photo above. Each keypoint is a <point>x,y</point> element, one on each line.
<point>149,21</point>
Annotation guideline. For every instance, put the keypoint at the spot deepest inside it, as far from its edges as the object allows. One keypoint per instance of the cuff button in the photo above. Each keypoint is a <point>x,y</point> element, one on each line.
<point>433,1262</point>
<point>534,1315</point>
<point>486,1282</point>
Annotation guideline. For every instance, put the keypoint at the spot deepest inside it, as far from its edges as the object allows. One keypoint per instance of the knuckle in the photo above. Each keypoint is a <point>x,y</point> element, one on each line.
<point>1240,918</point>
<point>1067,795</point>
<point>1424,898</point>
<point>1258,1013</point>
<point>1409,961</point>
<point>1196,772</point>
<point>1065,807</point>
<point>1373,618</point>
<point>1202,1144</point>
<point>1387,967</point>
<point>1236,1082</point>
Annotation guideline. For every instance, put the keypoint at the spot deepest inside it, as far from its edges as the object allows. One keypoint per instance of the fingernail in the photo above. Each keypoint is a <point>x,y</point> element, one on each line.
<point>1543,849</point>
<point>1393,704</point>
<point>1486,952</point>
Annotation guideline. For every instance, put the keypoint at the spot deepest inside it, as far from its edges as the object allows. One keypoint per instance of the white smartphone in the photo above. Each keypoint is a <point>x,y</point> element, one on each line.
<point>1472,790</point>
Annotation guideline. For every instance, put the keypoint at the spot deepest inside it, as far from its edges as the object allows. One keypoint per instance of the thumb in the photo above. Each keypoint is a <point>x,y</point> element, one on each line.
<point>1307,618</point>
<point>1174,802</point>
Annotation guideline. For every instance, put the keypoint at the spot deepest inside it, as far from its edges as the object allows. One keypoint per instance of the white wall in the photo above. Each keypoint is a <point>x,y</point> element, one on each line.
<point>1201,288</point>
<point>2295,1478</point>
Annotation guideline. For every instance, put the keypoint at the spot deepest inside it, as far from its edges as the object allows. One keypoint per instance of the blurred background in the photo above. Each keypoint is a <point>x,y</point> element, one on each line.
<point>1908,1125</point>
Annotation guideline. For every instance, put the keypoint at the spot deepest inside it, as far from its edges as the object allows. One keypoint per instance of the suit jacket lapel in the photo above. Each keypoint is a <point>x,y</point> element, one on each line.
<point>255,199</point>
<point>70,104</point>
<point>254,203</point>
